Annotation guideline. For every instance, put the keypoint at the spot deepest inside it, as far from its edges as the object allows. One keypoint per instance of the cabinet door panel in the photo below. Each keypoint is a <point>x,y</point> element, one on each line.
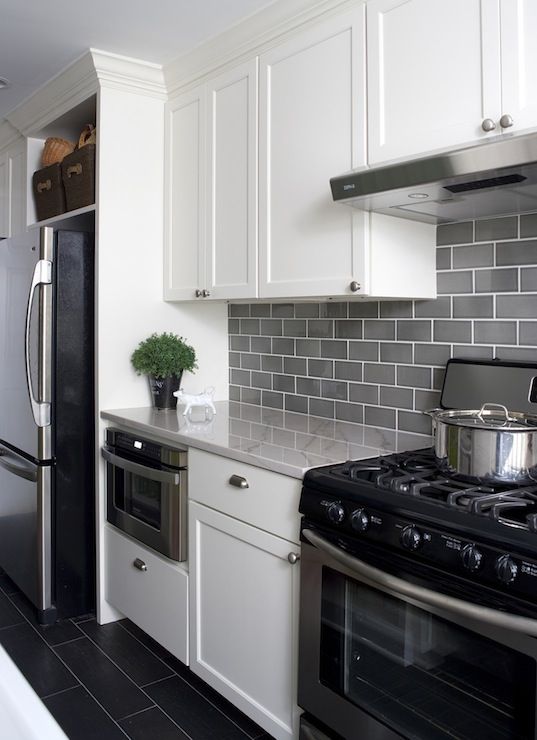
<point>243,617</point>
<point>17,191</point>
<point>311,128</point>
<point>184,266</point>
<point>519,62</point>
<point>232,184</point>
<point>433,74</point>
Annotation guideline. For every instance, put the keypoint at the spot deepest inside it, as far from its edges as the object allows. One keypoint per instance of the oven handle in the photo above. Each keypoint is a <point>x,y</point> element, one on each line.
<point>375,577</point>
<point>144,472</point>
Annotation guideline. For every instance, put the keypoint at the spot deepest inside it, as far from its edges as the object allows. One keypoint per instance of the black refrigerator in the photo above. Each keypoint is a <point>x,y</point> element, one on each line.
<point>47,412</point>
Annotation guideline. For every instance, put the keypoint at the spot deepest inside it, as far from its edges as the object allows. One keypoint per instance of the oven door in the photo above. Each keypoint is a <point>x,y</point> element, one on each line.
<point>384,656</point>
<point>148,503</point>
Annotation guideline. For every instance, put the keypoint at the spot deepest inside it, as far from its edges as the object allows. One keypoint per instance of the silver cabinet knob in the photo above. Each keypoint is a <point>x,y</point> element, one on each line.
<point>138,563</point>
<point>293,557</point>
<point>198,293</point>
<point>205,293</point>
<point>488,125</point>
<point>238,481</point>
<point>354,286</point>
<point>506,121</point>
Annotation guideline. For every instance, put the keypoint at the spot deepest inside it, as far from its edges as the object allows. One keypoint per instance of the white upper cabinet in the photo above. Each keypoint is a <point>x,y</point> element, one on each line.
<point>433,74</point>
<point>312,118</point>
<point>4,196</point>
<point>519,63</point>
<point>13,189</point>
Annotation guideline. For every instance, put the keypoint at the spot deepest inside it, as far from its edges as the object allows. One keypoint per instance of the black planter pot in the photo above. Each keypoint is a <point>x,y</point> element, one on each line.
<point>162,390</point>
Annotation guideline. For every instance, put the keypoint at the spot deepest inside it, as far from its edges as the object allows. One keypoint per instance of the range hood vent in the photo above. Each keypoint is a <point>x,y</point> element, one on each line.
<point>492,179</point>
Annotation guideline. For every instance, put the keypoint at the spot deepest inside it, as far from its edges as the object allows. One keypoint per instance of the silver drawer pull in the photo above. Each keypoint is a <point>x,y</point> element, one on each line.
<point>293,557</point>
<point>238,481</point>
<point>140,564</point>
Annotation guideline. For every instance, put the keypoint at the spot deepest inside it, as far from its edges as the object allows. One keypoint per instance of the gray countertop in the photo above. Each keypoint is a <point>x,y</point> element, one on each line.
<point>281,441</point>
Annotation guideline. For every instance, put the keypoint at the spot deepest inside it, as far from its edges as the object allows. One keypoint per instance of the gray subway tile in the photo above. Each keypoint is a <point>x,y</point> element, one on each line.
<point>283,310</point>
<point>349,412</point>
<point>364,310</point>
<point>239,343</point>
<point>251,395</point>
<point>495,332</point>
<point>308,387</point>
<point>496,281</point>
<point>307,310</point>
<point>250,326</point>
<point>334,389</point>
<point>234,359</point>
<point>437,308</point>
<point>234,393</point>
<point>476,306</point>
<point>517,354</point>
<point>271,327</point>
<point>272,363</point>
<point>308,347</point>
<point>294,328</point>
<point>321,407</point>
<point>425,400</point>
<point>516,306</point>
<point>443,258</point>
<point>469,352</point>
<point>528,279</point>
<point>348,329</point>
<point>494,229</point>
<point>263,345</point>
<point>380,329</point>
<point>364,351</point>
<point>334,348</point>
<point>431,354</point>
<point>285,383</point>
<point>475,255</point>
<point>455,282</point>
<point>260,310</point>
<point>298,404</point>
<point>517,253</point>
<point>411,421</point>
<point>379,373</point>
<point>401,398</point>
<point>331,310</point>
<point>282,346</point>
<point>295,366</point>
<point>321,328</point>
<point>250,362</point>
<point>395,352</point>
<point>261,380</point>
<point>233,326</point>
<point>239,377</point>
<point>239,309</point>
<point>321,368</point>
<point>272,399</point>
<point>452,331</point>
<point>414,377</point>
<point>379,417</point>
<point>528,333</point>
<point>395,309</point>
<point>457,233</point>
<point>528,225</point>
<point>362,393</point>
<point>414,331</point>
<point>348,371</point>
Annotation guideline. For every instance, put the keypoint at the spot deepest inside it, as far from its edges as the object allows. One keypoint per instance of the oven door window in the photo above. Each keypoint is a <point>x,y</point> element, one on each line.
<point>140,497</point>
<point>422,675</point>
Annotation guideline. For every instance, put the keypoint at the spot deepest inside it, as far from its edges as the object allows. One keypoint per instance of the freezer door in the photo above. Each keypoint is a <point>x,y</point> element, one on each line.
<point>25,342</point>
<point>25,526</point>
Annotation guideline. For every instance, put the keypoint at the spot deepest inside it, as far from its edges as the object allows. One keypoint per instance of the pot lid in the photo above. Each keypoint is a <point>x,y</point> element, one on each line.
<point>490,416</point>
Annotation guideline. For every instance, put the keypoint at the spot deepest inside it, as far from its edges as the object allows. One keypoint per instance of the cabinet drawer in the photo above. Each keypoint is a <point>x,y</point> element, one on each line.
<point>155,599</point>
<point>270,501</point>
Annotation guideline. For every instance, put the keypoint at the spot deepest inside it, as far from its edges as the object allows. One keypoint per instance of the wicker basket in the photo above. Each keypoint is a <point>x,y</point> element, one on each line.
<point>55,150</point>
<point>78,174</point>
<point>49,194</point>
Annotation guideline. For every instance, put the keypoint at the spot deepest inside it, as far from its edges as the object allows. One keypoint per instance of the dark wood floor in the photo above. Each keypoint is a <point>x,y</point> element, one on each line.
<point>113,681</point>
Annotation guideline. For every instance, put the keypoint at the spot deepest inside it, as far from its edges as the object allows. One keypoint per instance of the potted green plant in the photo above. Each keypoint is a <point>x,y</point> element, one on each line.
<point>163,358</point>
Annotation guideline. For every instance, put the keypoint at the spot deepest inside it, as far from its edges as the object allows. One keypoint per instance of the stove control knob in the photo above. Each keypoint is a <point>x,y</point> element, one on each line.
<point>506,569</point>
<point>471,557</point>
<point>336,513</point>
<point>411,538</point>
<point>360,520</point>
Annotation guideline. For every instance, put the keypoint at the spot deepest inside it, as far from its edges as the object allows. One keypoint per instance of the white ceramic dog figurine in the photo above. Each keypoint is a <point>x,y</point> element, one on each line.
<point>196,399</point>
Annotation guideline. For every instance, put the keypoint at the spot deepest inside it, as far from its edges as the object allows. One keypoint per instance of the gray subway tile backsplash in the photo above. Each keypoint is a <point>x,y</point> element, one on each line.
<point>382,363</point>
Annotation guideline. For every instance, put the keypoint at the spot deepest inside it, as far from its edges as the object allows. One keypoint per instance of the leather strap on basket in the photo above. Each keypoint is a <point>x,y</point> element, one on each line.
<point>47,185</point>
<point>74,169</point>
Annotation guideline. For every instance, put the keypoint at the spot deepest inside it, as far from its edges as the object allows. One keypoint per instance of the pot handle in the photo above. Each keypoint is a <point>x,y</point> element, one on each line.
<point>432,412</point>
<point>488,406</point>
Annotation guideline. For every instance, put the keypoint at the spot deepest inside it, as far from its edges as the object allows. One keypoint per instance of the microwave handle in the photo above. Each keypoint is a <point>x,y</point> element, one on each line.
<point>375,577</point>
<point>161,476</point>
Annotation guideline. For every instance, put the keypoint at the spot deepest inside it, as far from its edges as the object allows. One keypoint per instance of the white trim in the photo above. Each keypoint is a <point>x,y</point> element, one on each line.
<point>114,70</point>
<point>8,134</point>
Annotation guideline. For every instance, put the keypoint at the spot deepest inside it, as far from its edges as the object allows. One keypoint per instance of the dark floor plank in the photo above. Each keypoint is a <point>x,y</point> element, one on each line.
<point>117,693</point>
<point>152,723</point>
<point>82,618</point>
<point>81,718</point>
<point>127,652</point>
<point>54,634</point>
<point>42,669</point>
<point>192,712</point>
<point>170,660</point>
<point>9,616</point>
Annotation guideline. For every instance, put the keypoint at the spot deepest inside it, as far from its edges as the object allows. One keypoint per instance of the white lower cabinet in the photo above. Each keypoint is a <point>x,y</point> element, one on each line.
<point>150,590</point>
<point>243,617</point>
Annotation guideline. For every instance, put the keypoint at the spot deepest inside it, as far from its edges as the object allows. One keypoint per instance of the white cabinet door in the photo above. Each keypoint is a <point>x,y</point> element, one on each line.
<point>433,74</point>
<point>312,127</point>
<point>243,617</point>
<point>232,184</point>
<point>184,255</point>
<point>519,63</point>
<point>4,196</point>
<point>17,189</point>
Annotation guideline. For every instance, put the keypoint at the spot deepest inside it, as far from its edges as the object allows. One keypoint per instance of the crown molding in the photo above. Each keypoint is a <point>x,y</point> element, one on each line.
<point>249,36</point>
<point>126,73</point>
<point>8,134</point>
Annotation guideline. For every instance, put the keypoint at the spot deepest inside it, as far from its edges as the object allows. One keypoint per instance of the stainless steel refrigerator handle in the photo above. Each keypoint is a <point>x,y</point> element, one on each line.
<point>131,467</point>
<point>42,276</point>
<point>17,470</point>
<point>375,577</point>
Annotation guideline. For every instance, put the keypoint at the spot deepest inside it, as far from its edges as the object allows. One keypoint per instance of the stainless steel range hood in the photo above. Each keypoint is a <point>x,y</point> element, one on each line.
<point>492,179</point>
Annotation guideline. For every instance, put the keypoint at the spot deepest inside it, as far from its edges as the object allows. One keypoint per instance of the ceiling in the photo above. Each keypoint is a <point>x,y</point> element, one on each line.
<point>38,39</point>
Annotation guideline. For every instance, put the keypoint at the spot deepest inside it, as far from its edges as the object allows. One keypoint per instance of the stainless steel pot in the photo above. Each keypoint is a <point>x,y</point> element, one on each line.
<point>492,444</point>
